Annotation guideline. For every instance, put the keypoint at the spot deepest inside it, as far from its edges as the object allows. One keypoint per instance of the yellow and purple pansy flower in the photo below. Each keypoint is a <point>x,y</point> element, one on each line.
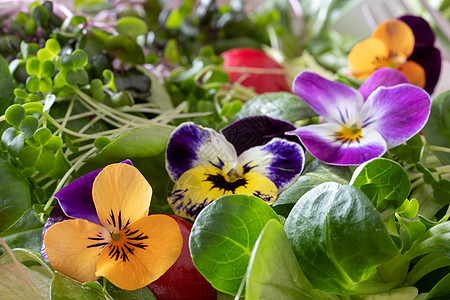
<point>251,156</point>
<point>405,44</point>
<point>360,124</point>
<point>101,227</point>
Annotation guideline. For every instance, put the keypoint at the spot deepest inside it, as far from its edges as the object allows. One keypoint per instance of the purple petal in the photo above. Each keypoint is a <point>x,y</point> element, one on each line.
<point>76,198</point>
<point>397,113</point>
<point>336,102</point>
<point>254,131</point>
<point>191,146</point>
<point>279,160</point>
<point>321,142</point>
<point>381,77</point>
<point>423,34</point>
<point>430,60</point>
<point>56,216</point>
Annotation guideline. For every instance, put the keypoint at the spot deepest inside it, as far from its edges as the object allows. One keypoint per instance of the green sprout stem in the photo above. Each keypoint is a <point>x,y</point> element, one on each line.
<point>75,166</point>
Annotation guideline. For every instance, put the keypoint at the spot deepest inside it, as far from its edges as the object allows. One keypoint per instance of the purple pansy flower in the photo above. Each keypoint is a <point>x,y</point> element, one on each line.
<point>361,125</point>
<point>249,157</point>
<point>425,54</point>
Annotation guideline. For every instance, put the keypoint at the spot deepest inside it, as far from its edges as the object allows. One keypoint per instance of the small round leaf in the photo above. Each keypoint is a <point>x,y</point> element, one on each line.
<point>32,66</point>
<point>28,126</point>
<point>15,114</point>
<point>42,135</point>
<point>54,143</point>
<point>80,58</point>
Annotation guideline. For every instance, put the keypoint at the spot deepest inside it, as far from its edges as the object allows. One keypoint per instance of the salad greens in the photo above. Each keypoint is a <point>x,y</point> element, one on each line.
<point>87,83</point>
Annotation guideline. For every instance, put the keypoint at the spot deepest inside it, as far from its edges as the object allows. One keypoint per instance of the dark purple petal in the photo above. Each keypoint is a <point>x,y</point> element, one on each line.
<point>56,216</point>
<point>335,101</point>
<point>191,146</point>
<point>254,131</point>
<point>381,77</point>
<point>321,142</point>
<point>430,60</point>
<point>279,160</point>
<point>423,34</point>
<point>76,198</point>
<point>397,112</point>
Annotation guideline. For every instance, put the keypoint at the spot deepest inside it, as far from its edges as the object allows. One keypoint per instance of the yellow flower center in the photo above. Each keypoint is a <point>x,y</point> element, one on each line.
<point>349,134</point>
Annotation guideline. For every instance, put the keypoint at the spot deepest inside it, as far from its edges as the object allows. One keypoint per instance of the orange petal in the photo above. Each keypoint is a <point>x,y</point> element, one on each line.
<point>414,72</point>
<point>142,253</point>
<point>398,37</point>
<point>73,247</point>
<point>121,196</point>
<point>367,56</point>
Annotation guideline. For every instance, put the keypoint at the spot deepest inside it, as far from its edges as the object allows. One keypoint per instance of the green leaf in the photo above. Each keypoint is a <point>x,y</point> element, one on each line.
<point>273,271</point>
<point>15,114</point>
<point>62,165</point>
<point>28,126</point>
<point>230,109</point>
<point>46,68</point>
<point>408,209</point>
<point>13,140</point>
<point>441,290</point>
<point>339,239</point>
<point>314,174</point>
<point>437,129</point>
<point>223,236</point>
<point>42,135</point>
<point>138,143</point>
<point>38,157</point>
<point>6,86</point>
<point>390,180</point>
<point>434,240</point>
<point>33,66</point>
<point>409,151</point>
<point>12,281</point>
<point>140,294</point>
<point>131,26</point>
<point>410,231</point>
<point>66,288</point>
<point>80,58</point>
<point>126,49</point>
<point>25,233</point>
<point>274,105</point>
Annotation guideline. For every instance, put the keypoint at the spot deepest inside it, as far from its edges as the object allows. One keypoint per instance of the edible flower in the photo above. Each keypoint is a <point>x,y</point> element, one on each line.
<point>250,157</point>
<point>121,242</point>
<point>405,44</point>
<point>363,124</point>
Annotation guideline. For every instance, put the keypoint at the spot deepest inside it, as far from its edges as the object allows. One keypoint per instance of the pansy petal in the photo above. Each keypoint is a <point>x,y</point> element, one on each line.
<point>144,251</point>
<point>381,77</point>
<point>280,160</point>
<point>199,186</point>
<point>320,140</point>
<point>191,146</point>
<point>397,113</point>
<point>254,131</point>
<point>76,198</point>
<point>367,56</point>
<point>414,72</point>
<point>397,36</point>
<point>431,61</point>
<point>121,196</point>
<point>423,34</point>
<point>334,101</point>
<point>73,247</point>
<point>56,216</point>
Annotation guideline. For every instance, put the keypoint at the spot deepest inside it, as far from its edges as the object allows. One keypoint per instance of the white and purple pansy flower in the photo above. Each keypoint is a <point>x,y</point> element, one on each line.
<point>250,156</point>
<point>360,125</point>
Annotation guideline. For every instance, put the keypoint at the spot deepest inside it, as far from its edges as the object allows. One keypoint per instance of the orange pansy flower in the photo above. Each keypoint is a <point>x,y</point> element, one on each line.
<point>390,45</point>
